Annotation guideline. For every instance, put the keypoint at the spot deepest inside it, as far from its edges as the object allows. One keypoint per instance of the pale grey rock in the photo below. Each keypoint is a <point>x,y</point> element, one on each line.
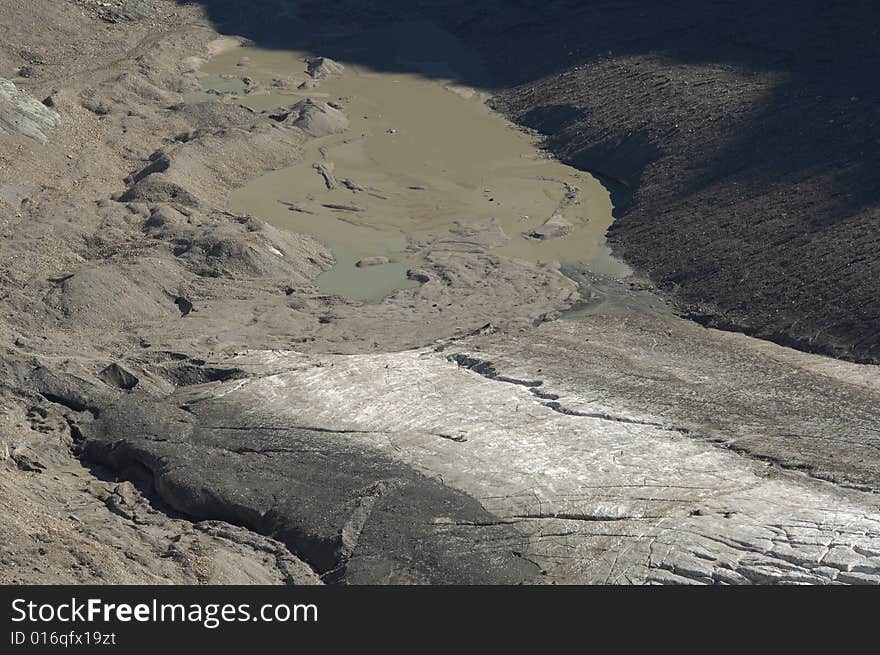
<point>317,118</point>
<point>372,261</point>
<point>22,114</point>
<point>322,67</point>
<point>120,11</point>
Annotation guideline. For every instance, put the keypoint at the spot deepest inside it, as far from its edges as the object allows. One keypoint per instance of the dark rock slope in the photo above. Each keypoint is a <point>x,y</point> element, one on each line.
<point>742,138</point>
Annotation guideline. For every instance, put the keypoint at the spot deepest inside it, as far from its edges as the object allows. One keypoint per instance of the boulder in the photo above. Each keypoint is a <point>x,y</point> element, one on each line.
<point>321,67</point>
<point>22,114</point>
<point>418,275</point>
<point>118,376</point>
<point>317,118</point>
<point>372,261</point>
<point>123,11</point>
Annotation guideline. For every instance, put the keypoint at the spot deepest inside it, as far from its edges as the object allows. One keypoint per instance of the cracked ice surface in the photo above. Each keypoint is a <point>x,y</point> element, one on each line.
<point>599,500</point>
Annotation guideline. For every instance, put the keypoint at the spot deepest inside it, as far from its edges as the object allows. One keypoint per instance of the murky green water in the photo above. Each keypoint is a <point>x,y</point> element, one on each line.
<point>422,156</point>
